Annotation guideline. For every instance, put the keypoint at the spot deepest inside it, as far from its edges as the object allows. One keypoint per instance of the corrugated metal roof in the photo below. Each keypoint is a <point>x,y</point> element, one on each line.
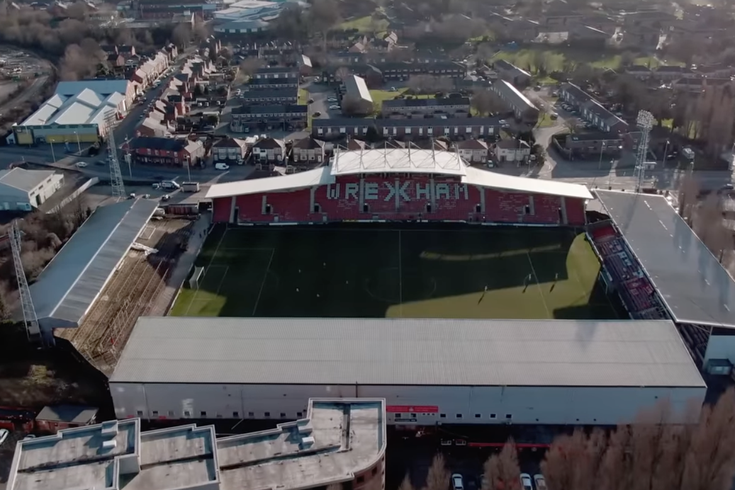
<point>70,283</point>
<point>402,160</point>
<point>101,87</point>
<point>693,284</point>
<point>309,178</point>
<point>495,180</point>
<point>336,351</point>
<point>25,180</point>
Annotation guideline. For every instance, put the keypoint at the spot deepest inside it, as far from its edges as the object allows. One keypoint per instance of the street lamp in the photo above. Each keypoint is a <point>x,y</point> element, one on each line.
<point>666,150</point>
<point>602,149</point>
<point>79,145</point>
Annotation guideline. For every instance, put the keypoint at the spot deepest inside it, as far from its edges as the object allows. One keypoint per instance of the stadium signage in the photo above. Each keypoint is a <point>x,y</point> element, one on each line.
<point>405,191</point>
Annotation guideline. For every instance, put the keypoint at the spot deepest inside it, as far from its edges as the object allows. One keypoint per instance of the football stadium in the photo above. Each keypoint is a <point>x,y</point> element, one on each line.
<point>460,295</point>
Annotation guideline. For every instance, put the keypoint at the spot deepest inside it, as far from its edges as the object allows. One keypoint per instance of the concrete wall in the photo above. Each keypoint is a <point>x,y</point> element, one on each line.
<point>441,404</point>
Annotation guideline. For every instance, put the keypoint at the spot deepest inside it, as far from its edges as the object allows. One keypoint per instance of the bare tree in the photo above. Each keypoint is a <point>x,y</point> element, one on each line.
<point>651,454</point>
<point>486,102</point>
<point>406,483</point>
<point>182,35</point>
<point>342,73</point>
<point>501,471</point>
<point>572,125</point>
<point>247,69</point>
<point>438,476</point>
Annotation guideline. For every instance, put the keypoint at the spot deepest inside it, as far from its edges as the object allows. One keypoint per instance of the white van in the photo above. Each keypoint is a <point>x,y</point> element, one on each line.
<point>221,166</point>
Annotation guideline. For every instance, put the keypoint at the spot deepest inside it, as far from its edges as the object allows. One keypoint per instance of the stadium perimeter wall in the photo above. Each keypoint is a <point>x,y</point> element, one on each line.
<point>422,405</point>
<point>406,198</point>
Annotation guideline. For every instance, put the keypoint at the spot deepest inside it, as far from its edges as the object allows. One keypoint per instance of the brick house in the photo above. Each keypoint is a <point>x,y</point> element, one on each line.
<point>308,150</point>
<point>229,150</point>
<point>166,151</point>
<point>473,151</point>
<point>453,107</point>
<point>452,128</point>
<point>271,96</point>
<point>269,150</point>
<point>263,117</point>
<point>512,151</point>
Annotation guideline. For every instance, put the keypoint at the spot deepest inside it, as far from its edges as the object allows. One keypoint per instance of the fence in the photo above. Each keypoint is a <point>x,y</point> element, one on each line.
<point>74,195</point>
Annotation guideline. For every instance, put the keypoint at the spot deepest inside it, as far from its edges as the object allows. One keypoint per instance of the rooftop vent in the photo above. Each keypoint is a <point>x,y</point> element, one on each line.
<point>307,441</point>
<point>305,429</point>
<point>111,444</point>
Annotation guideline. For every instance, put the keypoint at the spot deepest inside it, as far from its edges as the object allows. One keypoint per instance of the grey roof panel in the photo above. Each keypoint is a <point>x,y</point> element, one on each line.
<point>406,352</point>
<point>690,280</point>
<point>24,180</point>
<point>70,283</point>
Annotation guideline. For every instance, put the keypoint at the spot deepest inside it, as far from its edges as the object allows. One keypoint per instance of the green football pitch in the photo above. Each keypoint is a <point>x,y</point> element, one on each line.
<point>375,271</point>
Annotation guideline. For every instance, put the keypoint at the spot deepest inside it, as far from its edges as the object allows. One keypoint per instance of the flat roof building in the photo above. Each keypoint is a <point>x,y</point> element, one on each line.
<point>538,372</point>
<point>338,441</point>
<point>23,190</point>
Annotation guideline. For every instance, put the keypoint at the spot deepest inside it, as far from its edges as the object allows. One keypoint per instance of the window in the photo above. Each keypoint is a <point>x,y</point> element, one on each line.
<point>187,413</point>
<point>251,414</point>
<point>202,414</point>
<point>477,416</point>
<point>268,209</point>
<point>493,416</point>
<point>283,415</point>
<point>140,413</point>
<point>299,414</point>
<point>170,413</point>
<point>235,415</point>
<point>398,415</point>
<point>267,414</point>
<point>317,208</point>
<point>360,479</point>
<point>155,413</point>
<point>459,415</point>
<point>375,471</point>
<point>442,415</point>
<point>508,416</point>
<point>218,415</point>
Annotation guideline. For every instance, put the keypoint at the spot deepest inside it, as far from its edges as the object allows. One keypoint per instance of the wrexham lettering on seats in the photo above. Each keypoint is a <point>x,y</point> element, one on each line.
<point>400,190</point>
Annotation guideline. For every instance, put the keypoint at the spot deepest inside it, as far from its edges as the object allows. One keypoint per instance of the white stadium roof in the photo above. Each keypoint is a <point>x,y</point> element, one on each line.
<point>399,160</point>
<point>405,160</point>
<point>345,351</point>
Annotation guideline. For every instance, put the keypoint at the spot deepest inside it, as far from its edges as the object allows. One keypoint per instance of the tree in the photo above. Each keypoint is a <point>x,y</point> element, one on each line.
<point>248,67</point>
<point>323,14</point>
<point>572,125</point>
<point>501,470</point>
<point>689,190</point>
<point>406,483</point>
<point>652,453</point>
<point>438,476</point>
<point>292,23</point>
<point>342,73</point>
<point>485,102</point>
<point>182,35</point>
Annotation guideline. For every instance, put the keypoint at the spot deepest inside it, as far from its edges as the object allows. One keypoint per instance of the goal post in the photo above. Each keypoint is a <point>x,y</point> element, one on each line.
<point>196,277</point>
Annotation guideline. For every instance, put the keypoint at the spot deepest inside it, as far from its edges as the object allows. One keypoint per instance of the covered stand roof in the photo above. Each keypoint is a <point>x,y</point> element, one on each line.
<point>71,282</point>
<point>336,351</point>
<point>691,282</point>
<point>399,160</point>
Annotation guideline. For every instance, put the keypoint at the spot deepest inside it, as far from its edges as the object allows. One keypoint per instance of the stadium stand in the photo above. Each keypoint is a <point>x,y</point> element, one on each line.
<point>637,294</point>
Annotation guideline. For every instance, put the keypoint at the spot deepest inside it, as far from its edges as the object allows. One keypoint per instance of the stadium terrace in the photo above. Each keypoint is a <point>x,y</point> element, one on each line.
<point>399,184</point>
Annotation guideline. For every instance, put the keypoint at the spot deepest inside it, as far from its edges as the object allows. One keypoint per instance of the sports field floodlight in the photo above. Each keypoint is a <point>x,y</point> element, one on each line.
<point>645,122</point>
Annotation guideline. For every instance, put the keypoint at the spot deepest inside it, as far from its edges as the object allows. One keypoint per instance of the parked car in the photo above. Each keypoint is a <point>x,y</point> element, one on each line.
<point>156,186</point>
<point>221,166</point>
<point>317,114</point>
<point>3,435</point>
<point>334,107</point>
<point>29,437</point>
<point>310,101</point>
<point>81,164</point>
<point>457,482</point>
<point>332,99</point>
<point>101,162</point>
<point>526,481</point>
<point>554,116</point>
<point>540,482</point>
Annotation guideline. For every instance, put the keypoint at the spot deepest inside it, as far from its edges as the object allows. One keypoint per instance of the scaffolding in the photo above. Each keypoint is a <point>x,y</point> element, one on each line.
<point>30,319</point>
